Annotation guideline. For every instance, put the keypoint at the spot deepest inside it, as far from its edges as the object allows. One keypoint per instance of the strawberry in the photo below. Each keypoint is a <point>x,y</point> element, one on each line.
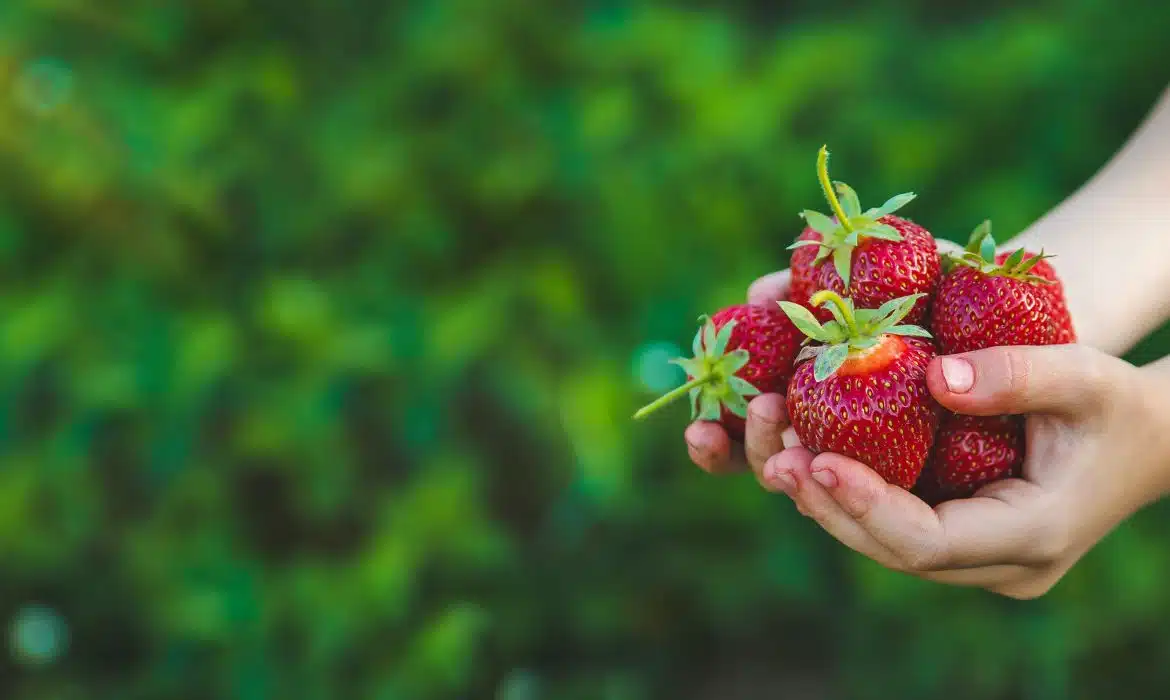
<point>876,256</point>
<point>865,395</point>
<point>983,303</point>
<point>972,451</point>
<point>740,352</point>
<point>1065,333</point>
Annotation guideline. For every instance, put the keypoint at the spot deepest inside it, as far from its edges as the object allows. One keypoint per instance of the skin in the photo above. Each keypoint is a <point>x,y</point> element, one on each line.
<point>1098,428</point>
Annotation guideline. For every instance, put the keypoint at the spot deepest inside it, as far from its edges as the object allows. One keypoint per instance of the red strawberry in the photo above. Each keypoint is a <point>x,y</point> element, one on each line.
<point>982,303</point>
<point>876,257</point>
<point>865,396</point>
<point>740,352</point>
<point>1065,333</point>
<point>972,451</point>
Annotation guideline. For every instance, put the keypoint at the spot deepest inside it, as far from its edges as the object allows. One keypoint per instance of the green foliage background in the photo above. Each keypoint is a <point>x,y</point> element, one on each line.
<point>322,323</point>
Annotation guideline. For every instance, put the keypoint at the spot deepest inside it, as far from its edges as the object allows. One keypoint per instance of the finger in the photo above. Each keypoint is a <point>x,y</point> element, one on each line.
<point>790,471</point>
<point>766,422</point>
<point>791,439</point>
<point>815,500</point>
<point>967,533</point>
<point>712,450</point>
<point>994,578</point>
<point>1058,379</point>
<point>769,288</point>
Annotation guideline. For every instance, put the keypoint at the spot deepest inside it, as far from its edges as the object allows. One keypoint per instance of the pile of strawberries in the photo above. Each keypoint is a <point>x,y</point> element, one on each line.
<point>850,346</point>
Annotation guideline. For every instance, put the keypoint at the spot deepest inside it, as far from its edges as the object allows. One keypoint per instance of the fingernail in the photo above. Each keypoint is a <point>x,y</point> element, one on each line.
<point>958,374</point>
<point>784,480</point>
<point>825,478</point>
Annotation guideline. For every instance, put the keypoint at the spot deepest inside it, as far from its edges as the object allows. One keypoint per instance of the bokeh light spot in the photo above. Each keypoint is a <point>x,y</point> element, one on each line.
<point>520,684</point>
<point>38,635</point>
<point>44,85</point>
<point>652,367</point>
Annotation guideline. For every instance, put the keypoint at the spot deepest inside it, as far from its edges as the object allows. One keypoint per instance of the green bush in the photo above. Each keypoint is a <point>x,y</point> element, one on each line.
<point>322,323</point>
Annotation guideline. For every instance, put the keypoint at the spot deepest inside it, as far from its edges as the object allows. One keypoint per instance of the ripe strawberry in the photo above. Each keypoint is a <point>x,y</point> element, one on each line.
<point>876,256</point>
<point>865,396</point>
<point>1065,333</point>
<point>982,303</point>
<point>740,352</point>
<point>972,451</point>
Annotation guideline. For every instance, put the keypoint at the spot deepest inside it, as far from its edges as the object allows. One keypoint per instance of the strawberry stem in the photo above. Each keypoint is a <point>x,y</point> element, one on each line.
<point>827,186</point>
<point>825,295</point>
<point>671,395</point>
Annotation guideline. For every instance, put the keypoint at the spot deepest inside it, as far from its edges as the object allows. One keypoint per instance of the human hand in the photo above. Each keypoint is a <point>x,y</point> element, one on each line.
<point>1098,432</point>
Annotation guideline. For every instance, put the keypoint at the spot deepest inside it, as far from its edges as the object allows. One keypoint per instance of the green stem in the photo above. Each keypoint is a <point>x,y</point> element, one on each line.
<point>826,295</point>
<point>827,186</point>
<point>671,396</point>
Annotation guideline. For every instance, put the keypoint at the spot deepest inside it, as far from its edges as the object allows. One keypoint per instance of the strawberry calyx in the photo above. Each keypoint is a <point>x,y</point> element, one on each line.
<point>980,254</point>
<point>713,383</point>
<point>853,333</point>
<point>849,224</point>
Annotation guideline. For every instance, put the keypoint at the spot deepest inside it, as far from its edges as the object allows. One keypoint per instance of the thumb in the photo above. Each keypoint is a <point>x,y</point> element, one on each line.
<point>1055,379</point>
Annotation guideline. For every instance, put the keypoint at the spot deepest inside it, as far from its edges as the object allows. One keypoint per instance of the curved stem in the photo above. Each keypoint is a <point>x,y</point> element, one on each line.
<point>827,186</point>
<point>671,396</point>
<point>826,295</point>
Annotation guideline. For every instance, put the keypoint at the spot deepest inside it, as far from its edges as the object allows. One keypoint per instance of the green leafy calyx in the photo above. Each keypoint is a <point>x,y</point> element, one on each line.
<point>713,382</point>
<point>980,254</point>
<point>852,331</point>
<point>841,234</point>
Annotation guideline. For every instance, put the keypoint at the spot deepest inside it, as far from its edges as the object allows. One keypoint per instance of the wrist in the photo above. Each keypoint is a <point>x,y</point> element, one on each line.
<point>1152,445</point>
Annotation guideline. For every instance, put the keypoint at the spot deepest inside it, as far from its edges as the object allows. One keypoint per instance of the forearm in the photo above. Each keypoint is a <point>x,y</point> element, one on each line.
<point>1112,241</point>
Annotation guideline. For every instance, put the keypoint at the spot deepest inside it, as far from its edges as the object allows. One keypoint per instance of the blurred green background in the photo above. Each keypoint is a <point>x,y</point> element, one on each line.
<point>322,323</point>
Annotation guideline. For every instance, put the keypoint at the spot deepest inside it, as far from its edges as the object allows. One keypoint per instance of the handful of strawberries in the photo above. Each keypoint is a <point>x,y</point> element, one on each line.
<point>850,345</point>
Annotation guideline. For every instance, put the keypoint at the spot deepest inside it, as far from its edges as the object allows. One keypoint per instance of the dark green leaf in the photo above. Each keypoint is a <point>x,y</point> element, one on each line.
<point>693,366</point>
<point>809,352</point>
<point>697,343</point>
<point>864,316</point>
<point>733,361</point>
<point>904,306</point>
<point>819,222</point>
<point>981,232</point>
<point>709,406</point>
<point>849,200</point>
<point>882,313</point>
<point>909,330</point>
<point>892,205</point>
<point>742,386</point>
<point>882,231</point>
<point>803,319</point>
<point>1014,259</point>
<point>830,361</point>
<point>722,339</point>
<point>708,337</point>
<point>837,315</point>
<point>843,260</point>
<point>736,404</point>
<point>987,248</point>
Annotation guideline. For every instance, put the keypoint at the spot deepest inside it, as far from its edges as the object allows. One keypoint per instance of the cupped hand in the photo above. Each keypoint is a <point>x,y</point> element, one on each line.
<point>1098,432</point>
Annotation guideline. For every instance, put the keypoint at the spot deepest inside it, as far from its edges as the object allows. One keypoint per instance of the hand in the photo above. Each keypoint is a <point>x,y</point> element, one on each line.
<point>1098,432</point>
